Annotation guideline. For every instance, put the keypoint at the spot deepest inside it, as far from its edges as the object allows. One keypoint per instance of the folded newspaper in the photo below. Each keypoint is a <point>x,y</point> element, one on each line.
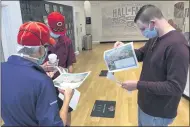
<point>74,100</point>
<point>70,80</point>
<point>121,58</point>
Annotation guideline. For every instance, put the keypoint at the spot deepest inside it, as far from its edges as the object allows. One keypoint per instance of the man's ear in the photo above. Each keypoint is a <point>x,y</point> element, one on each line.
<point>41,51</point>
<point>152,24</point>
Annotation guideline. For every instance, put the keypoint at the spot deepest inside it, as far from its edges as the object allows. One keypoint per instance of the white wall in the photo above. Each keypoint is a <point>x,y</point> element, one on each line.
<point>10,22</point>
<point>166,7</point>
<point>12,19</point>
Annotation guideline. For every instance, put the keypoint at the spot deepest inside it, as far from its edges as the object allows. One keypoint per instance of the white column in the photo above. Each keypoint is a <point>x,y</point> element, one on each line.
<point>87,10</point>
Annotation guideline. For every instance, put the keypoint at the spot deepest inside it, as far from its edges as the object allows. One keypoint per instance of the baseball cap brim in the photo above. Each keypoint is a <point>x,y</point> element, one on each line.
<point>52,41</point>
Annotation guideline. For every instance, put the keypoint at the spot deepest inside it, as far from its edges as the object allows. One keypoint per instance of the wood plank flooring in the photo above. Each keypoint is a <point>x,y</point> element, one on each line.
<point>98,88</point>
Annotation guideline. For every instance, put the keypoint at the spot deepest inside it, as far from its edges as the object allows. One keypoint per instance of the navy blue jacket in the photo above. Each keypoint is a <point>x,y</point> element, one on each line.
<point>28,95</point>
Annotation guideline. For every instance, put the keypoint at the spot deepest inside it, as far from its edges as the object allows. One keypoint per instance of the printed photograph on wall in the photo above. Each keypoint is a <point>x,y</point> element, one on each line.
<point>45,20</point>
<point>47,8</point>
<point>55,8</point>
<point>61,9</point>
<point>66,26</point>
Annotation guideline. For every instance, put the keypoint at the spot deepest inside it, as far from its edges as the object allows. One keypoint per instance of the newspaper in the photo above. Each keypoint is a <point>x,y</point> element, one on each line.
<point>70,80</point>
<point>121,58</point>
<point>111,77</point>
<point>74,100</point>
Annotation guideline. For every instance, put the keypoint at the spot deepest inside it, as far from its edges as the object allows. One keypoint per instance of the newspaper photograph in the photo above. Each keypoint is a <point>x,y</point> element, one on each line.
<point>71,80</point>
<point>121,58</point>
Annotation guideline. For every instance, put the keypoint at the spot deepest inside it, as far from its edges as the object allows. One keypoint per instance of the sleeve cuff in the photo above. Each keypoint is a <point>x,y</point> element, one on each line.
<point>141,85</point>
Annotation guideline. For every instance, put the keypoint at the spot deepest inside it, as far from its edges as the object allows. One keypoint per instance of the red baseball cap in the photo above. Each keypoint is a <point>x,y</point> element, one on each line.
<point>34,34</point>
<point>56,22</point>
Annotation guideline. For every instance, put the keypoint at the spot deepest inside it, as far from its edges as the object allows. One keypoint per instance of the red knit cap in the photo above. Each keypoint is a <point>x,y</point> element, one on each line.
<point>34,34</point>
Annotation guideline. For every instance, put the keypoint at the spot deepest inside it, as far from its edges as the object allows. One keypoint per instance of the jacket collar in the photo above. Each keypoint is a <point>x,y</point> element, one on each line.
<point>17,60</point>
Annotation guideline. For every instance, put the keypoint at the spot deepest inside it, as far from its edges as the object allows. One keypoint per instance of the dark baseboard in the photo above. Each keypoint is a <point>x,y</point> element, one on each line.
<point>102,42</point>
<point>186,97</point>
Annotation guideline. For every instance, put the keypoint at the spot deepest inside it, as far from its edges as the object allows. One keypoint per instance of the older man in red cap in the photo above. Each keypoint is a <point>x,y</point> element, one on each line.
<point>63,47</point>
<point>28,94</point>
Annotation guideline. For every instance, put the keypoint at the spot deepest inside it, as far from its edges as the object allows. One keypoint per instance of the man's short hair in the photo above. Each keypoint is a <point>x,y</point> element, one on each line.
<point>147,13</point>
<point>29,50</point>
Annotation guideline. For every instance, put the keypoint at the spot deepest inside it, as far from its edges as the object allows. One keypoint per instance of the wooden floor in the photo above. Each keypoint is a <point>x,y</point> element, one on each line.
<point>98,88</point>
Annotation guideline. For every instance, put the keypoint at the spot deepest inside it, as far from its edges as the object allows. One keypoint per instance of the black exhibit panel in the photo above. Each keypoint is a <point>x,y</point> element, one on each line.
<point>104,109</point>
<point>103,73</point>
<point>39,10</point>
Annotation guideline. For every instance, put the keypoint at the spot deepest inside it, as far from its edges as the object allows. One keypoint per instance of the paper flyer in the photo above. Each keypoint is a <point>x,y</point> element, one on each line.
<point>121,58</point>
<point>70,80</point>
<point>74,100</point>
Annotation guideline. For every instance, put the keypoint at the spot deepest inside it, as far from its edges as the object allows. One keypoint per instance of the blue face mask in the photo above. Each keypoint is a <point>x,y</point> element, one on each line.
<point>150,33</point>
<point>41,60</point>
<point>54,35</point>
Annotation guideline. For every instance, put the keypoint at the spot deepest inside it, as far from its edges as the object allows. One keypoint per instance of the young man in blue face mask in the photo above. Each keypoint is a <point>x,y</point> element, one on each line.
<point>28,96</point>
<point>165,60</point>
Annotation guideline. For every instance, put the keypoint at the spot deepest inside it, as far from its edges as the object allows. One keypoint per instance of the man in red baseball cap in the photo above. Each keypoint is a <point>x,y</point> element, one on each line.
<point>63,47</point>
<point>28,94</point>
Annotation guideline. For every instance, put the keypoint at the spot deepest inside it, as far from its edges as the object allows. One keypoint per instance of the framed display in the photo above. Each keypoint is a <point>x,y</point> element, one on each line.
<point>66,26</point>
<point>88,20</point>
<point>69,25</point>
<point>45,19</point>
<point>61,9</point>
<point>47,8</point>
<point>55,8</point>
